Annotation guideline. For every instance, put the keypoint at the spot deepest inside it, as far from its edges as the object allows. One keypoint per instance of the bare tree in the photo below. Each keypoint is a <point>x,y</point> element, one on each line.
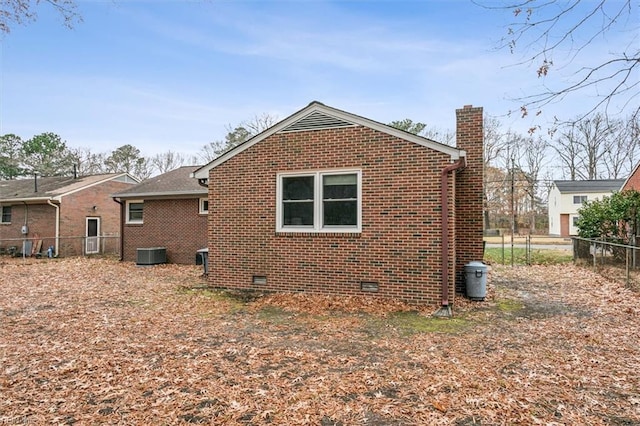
<point>532,153</point>
<point>259,123</point>
<point>24,11</point>
<point>88,162</point>
<point>547,32</point>
<point>583,145</point>
<point>167,161</point>
<point>237,135</point>
<point>127,159</point>
<point>622,149</point>
<point>494,145</point>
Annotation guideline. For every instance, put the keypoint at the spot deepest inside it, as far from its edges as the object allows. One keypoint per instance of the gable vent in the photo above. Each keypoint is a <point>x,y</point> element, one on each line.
<point>316,121</point>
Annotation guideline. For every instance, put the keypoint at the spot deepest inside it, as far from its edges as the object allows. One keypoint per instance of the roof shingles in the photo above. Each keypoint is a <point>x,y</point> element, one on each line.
<point>176,182</point>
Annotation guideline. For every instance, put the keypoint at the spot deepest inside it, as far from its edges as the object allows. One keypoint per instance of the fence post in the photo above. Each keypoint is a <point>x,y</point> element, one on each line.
<point>628,277</point>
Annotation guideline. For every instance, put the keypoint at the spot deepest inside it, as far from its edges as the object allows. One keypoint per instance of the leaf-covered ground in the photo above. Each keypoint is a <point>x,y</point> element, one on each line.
<point>95,341</point>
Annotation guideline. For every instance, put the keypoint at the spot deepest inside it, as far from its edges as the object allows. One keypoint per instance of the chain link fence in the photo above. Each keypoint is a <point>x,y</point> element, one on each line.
<point>108,245</point>
<point>620,262</point>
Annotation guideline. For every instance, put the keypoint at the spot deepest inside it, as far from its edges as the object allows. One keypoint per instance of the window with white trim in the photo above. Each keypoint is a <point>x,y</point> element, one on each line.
<point>134,211</point>
<point>579,199</point>
<point>5,214</point>
<point>204,205</point>
<point>322,201</point>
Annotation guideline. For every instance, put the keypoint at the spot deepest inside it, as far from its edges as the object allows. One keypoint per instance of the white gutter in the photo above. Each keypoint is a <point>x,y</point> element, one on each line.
<point>57,207</point>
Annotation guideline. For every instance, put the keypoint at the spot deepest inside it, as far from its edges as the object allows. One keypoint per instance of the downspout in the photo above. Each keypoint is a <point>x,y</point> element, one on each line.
<point>445,310</point>
<point>121,227</point>
<point>57,207</point>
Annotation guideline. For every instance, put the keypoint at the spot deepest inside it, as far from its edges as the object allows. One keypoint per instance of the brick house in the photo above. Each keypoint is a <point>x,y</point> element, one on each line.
<point>169,211</point>
<point>330,202</point>
<point>633,181</point>
<point>74,215</point>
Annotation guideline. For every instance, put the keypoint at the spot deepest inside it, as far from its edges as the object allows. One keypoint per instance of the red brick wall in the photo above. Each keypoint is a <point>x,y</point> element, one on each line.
<point>74,209</point>
<point>634,181</point>
<point>77,207</point>
<point>400,243</point>
<point>40,219</point>
<point>175,224</point>
<point>469,186</point>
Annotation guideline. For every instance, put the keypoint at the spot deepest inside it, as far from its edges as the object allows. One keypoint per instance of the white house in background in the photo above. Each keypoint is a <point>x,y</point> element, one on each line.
<point>567,196</point>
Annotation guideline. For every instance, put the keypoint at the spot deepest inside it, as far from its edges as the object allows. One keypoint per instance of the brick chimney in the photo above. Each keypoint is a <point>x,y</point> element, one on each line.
<point>469,191</point>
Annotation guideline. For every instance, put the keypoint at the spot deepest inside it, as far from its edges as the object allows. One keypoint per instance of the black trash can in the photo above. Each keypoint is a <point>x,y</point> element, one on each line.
<point>202,258</point>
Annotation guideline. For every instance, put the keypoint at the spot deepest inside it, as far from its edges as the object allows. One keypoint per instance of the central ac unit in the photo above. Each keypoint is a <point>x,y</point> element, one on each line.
<point>151,256</point>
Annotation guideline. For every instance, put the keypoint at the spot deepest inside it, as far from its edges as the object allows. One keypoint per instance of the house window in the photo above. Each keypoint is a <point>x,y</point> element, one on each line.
<point>204,206</point>
<point>575,221</point>
<point>579,199</point>
<point>6,214</point>
<point>134,211</point>
<point>325,201</point>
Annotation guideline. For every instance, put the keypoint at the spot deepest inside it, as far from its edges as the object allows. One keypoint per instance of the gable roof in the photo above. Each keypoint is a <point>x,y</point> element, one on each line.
<point>177,182</point>
<point>604,185</point>
<point>317,116</point>
<point>53,188</point>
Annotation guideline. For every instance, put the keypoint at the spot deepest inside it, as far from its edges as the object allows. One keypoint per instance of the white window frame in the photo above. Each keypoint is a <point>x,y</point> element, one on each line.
<point>2,214</point>
<point>128,216</point>
<point>317,203</point>
<point>582,199</point>
<point>201,208</point>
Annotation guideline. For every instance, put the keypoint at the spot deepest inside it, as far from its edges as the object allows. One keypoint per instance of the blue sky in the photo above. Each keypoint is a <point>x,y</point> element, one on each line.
<point>172,75</point>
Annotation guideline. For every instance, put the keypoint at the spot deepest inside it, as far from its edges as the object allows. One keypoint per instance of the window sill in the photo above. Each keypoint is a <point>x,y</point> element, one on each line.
<point>319,234</point>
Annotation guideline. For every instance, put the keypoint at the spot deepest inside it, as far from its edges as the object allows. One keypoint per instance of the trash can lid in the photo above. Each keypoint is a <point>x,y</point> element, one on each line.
<point>475,264</point>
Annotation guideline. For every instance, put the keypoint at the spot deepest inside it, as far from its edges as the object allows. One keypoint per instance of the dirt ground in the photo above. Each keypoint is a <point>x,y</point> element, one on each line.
<point>94,341</point>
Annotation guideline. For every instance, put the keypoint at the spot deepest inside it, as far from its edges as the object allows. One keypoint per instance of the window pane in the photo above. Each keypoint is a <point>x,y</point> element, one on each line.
<point>297,188</point>
<point>340,213</point>
<point>298,214</point>
<point>135,211</point>
<point>6,214</point>
<point>340,187</point>
<point>340,179</point>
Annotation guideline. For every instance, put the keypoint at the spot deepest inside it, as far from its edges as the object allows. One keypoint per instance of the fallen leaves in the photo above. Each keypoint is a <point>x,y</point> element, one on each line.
<point>94,341</point>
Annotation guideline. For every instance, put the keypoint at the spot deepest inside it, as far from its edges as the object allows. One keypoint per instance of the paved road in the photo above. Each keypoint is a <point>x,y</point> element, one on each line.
<point>565,247</point>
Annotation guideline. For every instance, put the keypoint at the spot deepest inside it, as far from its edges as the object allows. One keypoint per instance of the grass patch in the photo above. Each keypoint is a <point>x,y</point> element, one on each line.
<point>411,322</point>
<point>220,296</point>
<point>496,255</point>
<point>509,306</point>
<point>274,314</point>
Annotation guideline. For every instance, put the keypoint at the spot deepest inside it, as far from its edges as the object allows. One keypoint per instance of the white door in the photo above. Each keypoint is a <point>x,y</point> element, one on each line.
<point>92,240</point>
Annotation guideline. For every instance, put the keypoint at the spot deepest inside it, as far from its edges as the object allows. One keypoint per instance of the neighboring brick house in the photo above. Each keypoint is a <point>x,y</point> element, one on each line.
<point>329,202</point>
<point>170,211</point>
<point>633,181</point>
<point>74,215</point>
<point>567,196</point>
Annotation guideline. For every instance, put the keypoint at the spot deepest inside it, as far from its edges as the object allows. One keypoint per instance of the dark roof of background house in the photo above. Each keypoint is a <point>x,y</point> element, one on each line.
<point>49,187</point>
<point>177,182</point>
<point>603,185</point>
